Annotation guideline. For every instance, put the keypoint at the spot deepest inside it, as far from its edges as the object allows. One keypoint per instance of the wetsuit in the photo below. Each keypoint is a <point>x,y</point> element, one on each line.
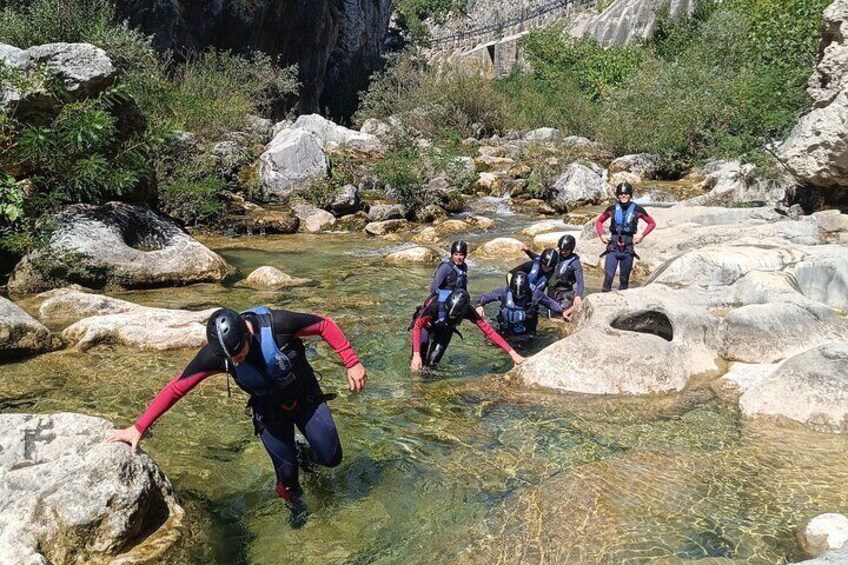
<point>449,276</point>
<point>569,280</point>
<point>539,279</point>
<point>275,414</point>
<point>623,225</point>
<point>432,332</point>
<point>509,307</point>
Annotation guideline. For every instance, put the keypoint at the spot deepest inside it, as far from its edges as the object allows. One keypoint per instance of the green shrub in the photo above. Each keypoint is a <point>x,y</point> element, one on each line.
<point>413,13</point>
<point>194,201</point>
<point>402,171</point>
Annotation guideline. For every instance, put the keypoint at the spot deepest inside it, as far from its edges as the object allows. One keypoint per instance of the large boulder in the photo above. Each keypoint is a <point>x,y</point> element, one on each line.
<point>102,320</point>
<point>730,183</point>
<point>385,227</point>
<point>644,165</point>
<point>290,162</point>
<point>67,497</point>
<point>382,212</point>
<point>538,228</point>
<point>334,137</point>
<point>82,69</point>
<point>810,388</point>
<point>265,278</point>
<point>501,248</point>
<point>21,334</point>
<point>117,244</point>
<point>313,219</point>
<point>577,186</point>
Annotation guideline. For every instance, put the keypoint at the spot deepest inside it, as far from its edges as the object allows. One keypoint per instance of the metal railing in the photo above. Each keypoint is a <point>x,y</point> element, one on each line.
<point>525,16</point>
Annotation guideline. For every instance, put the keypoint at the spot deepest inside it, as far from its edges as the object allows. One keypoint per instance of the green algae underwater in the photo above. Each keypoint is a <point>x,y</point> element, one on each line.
<point>461,466</point>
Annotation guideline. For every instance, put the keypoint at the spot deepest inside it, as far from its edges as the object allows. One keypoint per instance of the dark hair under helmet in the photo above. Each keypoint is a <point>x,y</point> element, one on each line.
<point>457,304</point>
<point>459,246</point>
<point>519,285</point>
<point>566,242</point>
<point>549,258</point>
<point>226,332</point>
<point>624,188</point>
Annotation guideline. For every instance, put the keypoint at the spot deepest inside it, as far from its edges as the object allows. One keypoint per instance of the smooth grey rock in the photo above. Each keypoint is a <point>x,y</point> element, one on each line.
<point>119,243</point>
<point>500,248</point>
<point>21,334</point>
<point>732,184</point>
<point>313,219</point>
<point>414,255</point>
<point>382,212</point>
<point>385,227</point>
<point>823,533</point>
<point>292,159</point>
<point>645,165</point>
<point>628,21</point>
<point>810,388</point>
<point>67,497</point>
<point>542,135</point>
<point>824,276</point>
<point>577,186</point>
<point>334,137</point>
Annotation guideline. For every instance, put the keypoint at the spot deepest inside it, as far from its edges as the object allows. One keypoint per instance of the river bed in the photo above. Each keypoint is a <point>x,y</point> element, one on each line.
<point>457,466</point>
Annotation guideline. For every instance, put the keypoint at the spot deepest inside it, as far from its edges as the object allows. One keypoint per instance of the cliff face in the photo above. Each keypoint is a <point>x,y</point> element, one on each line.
<point>329,40</point>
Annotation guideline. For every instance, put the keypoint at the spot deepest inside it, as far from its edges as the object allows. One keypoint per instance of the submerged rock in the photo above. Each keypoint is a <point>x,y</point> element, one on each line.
<point>67,497</point>
<point>21,334</point>
<point>117,244</point>
<point>273,278</point>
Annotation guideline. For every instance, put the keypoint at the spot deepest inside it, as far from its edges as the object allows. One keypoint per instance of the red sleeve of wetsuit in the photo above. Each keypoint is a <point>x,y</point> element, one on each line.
<point>417,328</point>
<point>330,332</point>
<point>651,223</point>
<point>492,335</point>
<point>168,396</point>
<point>599,223</point>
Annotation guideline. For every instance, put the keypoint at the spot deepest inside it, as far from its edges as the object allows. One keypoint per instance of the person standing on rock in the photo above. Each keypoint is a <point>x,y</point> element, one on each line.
<point>519,313</point>
<point>262,350</point>
<point>624,218</point>
<point>539,269</point>
<point>436,323</point>
<point>568,285</point>
<point>452,273</point>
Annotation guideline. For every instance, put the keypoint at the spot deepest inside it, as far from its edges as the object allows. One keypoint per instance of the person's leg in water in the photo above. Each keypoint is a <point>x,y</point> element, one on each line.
<point>438,344</point>
<point>626,265</point>
<point>277,436</point>
<point>610,264</point>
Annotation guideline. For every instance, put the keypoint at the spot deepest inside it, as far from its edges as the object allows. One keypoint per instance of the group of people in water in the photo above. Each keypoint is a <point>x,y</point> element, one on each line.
<point>262,349</point>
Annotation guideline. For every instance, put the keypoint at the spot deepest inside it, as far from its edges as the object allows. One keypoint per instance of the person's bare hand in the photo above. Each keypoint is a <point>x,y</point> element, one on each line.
<point>129,435</point>
<point>357,377</point>
<point>481,311</point>
<point>416,363</point>
<point>605,238</point>
<point>524,248</point>
<point>578,300</point>
<point>638,238</point>
<point>516,357</point>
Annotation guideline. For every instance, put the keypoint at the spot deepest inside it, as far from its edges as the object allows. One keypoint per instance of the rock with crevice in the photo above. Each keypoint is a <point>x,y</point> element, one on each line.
<point>117,243</point>
<point>21,334</point>
<point>68,497</point>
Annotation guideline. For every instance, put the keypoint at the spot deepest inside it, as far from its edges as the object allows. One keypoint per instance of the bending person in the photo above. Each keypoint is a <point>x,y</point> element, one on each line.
<point>262,350</point>
<point>624,218</point>
<point>540,268</point>
<point>519,313</point>
<point>438,321</point>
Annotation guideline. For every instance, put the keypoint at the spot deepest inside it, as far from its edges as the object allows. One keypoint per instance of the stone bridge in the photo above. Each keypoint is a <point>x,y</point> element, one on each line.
<point>493,48</point>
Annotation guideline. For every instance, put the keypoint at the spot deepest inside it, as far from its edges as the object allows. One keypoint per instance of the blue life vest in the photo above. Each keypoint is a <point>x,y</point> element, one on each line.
<point>538,279</point>
<point>441,299</point>
<point>277,371</point>
<point>513,316</point>
<point>565,274</point>
<point>624,221</point>
<point>460,276</point>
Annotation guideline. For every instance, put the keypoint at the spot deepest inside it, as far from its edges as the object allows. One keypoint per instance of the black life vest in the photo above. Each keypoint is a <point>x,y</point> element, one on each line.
<point>514,314</point>
<point>276,373</point>
<point>538,279</point>
<point>565,272</point>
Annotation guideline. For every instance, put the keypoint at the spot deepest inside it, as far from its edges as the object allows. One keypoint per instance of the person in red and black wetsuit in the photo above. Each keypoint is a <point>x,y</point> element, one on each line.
<point>262,350</point>
<point>436,324</point>
<point>624,218</point>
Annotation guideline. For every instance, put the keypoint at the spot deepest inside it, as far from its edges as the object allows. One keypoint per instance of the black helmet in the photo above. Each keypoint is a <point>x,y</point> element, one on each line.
<point>457,304</point>
<point>226,332</point>
<point>624,188</point>
<point>519,285</point>
<point>459,246</point>
<point>567,242</point>
<point>549,258</point>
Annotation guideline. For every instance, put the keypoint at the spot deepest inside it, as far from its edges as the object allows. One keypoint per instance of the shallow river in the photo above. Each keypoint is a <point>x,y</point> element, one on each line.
<point>460,466</point>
